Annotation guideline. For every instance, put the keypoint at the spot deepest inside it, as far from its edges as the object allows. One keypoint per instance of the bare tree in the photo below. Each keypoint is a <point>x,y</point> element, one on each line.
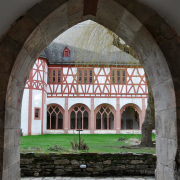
<point>149,121</point>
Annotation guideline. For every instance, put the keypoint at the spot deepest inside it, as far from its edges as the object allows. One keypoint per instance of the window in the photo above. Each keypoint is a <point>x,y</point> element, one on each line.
<point>118,76</point>
<point>124,77</point>
<point>85,76</point>
<point>79,118</point>
<point>80,76</point>
<point>66,52</point>
<point>113,76</point>
<point>54,76</point>
<point>37,113</point>
<point>90,77</point>
<point>104,118</point>
<point>59,76</point>
<point>48,77</point>
<point>54,117</point>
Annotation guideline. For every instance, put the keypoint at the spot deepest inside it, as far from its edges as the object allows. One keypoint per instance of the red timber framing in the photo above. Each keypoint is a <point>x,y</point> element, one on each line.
<point>37,81</point>
<point>130,82</point>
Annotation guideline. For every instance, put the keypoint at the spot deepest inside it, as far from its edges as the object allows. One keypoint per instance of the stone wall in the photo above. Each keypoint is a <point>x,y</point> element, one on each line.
<point>96,164</point>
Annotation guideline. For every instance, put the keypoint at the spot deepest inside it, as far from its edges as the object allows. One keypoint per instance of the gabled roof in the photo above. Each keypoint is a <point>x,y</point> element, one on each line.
<point>89,44</point>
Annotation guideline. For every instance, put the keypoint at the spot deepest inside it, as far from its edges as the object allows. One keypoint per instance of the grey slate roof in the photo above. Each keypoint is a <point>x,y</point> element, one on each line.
<point>89,44</point>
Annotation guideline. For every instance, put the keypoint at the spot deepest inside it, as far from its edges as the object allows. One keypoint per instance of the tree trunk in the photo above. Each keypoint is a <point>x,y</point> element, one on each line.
<point>149,122</point>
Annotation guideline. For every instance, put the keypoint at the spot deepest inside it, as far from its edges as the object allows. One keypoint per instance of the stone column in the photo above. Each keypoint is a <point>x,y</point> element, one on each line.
<point>66,117</point>
<point>117,121</point>
<point>92,120</point>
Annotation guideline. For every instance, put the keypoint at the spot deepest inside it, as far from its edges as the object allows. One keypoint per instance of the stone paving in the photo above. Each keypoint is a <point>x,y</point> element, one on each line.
<point>90,178</point>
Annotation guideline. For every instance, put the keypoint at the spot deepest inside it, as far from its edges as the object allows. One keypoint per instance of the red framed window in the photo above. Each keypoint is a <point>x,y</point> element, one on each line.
<point>37,112</point>
<point>118,76</point>
<point>66,52</point>
<point>54,76</point>
<point>85,76</point>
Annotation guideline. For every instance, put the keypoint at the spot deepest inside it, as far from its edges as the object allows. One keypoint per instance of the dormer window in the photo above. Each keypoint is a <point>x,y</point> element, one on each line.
<point>66,52</point>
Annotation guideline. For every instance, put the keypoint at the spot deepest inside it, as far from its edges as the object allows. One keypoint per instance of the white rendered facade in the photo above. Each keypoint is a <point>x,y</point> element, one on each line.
<point>69,93</point>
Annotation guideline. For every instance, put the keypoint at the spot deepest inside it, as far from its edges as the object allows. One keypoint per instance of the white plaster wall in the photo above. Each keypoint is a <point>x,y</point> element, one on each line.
<point>111,101</point>
<point>54,131</point>
<point>36,102</point>
<point>73,101</point>
<point>137,101</point>
<point>77,132</point>
<point>59,101</point>
<point>104,131</point>
<point>130,131</point>
<point>24,112</point>
<point>146,102</point>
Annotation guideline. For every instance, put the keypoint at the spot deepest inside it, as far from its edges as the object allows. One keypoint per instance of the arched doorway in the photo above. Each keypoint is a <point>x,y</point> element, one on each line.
<point>79,116</point>
<point>153,40</point>
<point>54,117</point>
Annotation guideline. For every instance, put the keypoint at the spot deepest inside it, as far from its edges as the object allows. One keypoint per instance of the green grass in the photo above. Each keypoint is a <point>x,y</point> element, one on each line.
<point>100,143</point>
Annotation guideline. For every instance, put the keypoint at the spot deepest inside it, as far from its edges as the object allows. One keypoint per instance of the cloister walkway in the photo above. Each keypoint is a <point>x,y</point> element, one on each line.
<point>91,178</point>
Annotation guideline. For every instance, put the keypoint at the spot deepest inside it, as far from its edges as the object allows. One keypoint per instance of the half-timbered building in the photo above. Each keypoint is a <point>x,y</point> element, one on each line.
<point>71,87</point>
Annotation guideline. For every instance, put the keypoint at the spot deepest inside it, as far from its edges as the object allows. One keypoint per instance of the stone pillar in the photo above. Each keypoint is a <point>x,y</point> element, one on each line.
<point>143,112</point>
<point>117,121</point>
<point>92,120</point>
<point>66,117</point>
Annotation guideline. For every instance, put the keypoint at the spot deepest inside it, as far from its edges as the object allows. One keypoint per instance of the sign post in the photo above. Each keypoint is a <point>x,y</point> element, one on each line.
<point>79,138</point>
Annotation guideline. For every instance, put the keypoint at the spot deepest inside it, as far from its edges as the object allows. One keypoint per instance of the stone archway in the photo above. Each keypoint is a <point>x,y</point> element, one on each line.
<point>153,40</point>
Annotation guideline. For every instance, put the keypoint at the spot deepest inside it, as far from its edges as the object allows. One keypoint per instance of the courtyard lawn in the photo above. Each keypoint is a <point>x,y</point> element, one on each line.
<point>99,143</point>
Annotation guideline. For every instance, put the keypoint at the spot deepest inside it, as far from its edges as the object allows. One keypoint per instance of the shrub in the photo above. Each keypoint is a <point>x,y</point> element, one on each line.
<point>83,145</point>
<point>56,148</point>
<point>122,139</point>
<point>31,149</point>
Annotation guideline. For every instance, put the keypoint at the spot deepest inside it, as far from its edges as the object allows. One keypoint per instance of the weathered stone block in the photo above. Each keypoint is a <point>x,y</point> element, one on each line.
<point>14,87</point>
<point>164,95</point>
<point>128,27</point>
<point>9,50</point>
<point>35,43</point>
<point>140,11</point>
<point>55,24</point>
<point>143,44</point>
<point>75,6</point>
<point>41,10</point>
<point>74,162</point>
<point>22,28</point>
<point>136,162</point>
<point>109,14</point>
<point>63,161</point>
<point>107,162</point>
<point>59,172</point>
